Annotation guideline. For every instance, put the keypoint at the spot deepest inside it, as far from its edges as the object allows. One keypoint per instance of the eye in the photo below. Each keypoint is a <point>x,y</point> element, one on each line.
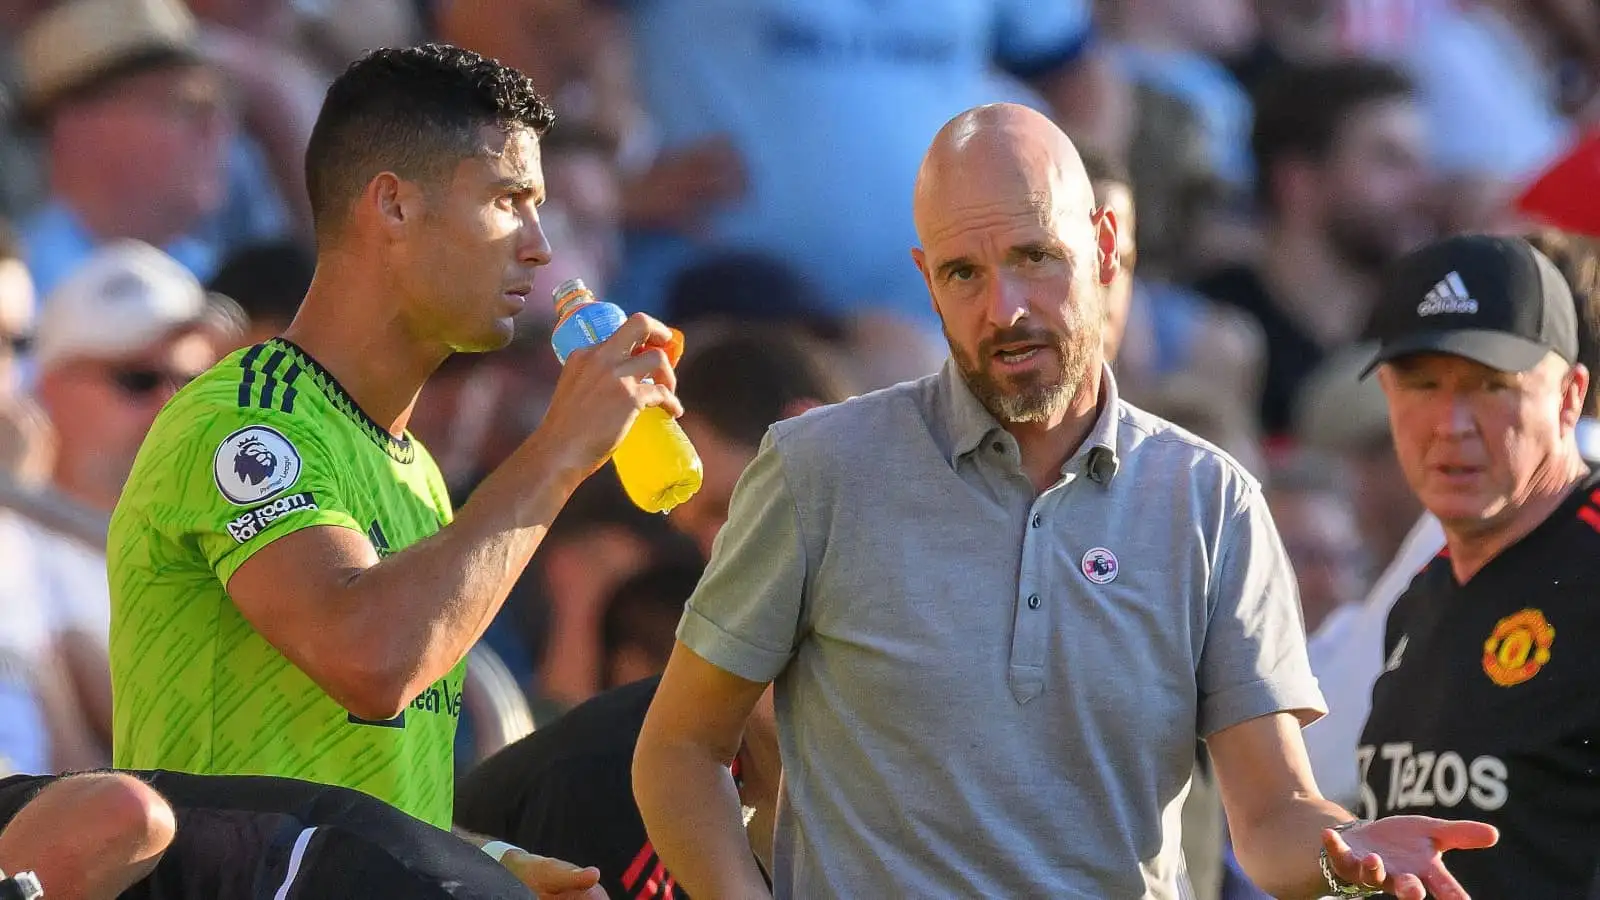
<point>961,273</point>
<point>1037,256</point>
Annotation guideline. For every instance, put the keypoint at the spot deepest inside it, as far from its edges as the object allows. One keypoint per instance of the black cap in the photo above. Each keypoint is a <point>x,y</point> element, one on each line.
<point>1493,300</point>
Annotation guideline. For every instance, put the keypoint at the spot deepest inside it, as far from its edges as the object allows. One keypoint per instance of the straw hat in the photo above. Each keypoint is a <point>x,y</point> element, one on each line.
<point>79,43</point>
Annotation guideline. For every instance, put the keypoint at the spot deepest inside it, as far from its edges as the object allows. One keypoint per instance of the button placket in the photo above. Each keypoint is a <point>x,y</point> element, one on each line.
<point>1031,628</point>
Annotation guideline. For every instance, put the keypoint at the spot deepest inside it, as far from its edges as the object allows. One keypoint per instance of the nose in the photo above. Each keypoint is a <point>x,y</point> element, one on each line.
<point>1007,303</point>
<point>533,247</point>
<point>1458,422</point>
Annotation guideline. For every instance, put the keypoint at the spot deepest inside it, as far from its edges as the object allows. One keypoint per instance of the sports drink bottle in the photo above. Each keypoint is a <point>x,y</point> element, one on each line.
<point>656,463</point>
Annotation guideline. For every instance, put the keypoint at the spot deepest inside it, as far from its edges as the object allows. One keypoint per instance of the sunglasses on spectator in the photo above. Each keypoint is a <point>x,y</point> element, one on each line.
<point>143,382</point>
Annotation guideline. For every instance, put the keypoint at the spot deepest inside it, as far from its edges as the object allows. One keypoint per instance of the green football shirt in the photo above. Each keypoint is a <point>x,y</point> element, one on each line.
<point>262,445</point>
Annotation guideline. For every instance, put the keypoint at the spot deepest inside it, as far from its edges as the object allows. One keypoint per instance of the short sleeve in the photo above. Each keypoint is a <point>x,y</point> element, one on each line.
<point>235,481</point>
<point>1034,38</point>
<point>745,615</point>
<point>1254,661</point>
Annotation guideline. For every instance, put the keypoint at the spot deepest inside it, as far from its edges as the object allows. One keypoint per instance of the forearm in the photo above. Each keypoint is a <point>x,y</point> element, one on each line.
<point>691,812</point>
<point>1279,851</point>
<point>424,608</point>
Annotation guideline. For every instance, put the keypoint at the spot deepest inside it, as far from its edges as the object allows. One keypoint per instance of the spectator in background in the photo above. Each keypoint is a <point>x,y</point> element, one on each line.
<point>1340,415</point>
<point>268,281</point>
<point>276,84</point>
<point>1577,257</point>
<point>115,341</point>
<point>1158,333</point>
<point>24,634</point>
<point>1340,148</point>
<point>42,728</point>
<point>731,290</point>
<point>641,620</point>
<point>137,136</point>
<point>1488,92</point>
<point>21,175</point>
<point>580,171</point>
<point>732,390</point>
<point>770,124</point>
<point>1176,48</point>
<point>1113,190</point>
<point>551,628</point>
<point>1309,497</point>
<point>25,441</point>
<point>577,52</point>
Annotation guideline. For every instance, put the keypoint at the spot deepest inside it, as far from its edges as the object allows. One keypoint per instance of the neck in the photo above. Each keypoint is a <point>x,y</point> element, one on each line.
<point>1308,280</point>
<point>1046,446</point>
<point>1472,548</point>
<point>354,331</point>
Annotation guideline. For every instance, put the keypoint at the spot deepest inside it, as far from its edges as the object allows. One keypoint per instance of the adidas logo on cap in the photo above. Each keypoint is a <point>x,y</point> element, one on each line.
<point>1448,296</point>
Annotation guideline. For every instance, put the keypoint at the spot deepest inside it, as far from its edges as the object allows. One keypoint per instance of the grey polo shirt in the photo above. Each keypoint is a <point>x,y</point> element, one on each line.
<point>983,690</point>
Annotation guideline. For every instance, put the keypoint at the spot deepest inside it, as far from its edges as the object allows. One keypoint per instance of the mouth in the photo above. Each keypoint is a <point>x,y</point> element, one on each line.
<point>1454,471</point>
<point>1017,354</point>
<point>518,294</point>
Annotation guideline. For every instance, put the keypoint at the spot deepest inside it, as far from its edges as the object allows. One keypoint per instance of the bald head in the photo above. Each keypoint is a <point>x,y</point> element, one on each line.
<point>997,153</point>
<point>1015,256</point>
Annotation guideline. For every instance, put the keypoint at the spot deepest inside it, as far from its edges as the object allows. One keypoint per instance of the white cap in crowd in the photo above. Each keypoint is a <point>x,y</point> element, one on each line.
<point>125,297</point>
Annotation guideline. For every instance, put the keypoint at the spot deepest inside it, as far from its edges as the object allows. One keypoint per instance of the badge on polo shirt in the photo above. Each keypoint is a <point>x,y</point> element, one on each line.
<point>1099,565</point>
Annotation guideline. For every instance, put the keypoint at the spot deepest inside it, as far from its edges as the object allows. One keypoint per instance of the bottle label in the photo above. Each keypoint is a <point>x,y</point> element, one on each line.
<point>588,325</point>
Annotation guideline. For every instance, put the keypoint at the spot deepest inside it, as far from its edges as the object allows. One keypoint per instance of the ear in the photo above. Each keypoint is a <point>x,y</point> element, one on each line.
<point>391,202</point>
<point>921,259</point>
<point>1575,390</point>
<point>1108,261</point>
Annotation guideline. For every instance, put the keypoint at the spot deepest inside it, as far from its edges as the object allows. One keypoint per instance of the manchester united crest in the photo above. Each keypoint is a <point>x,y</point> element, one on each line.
<point>1518,648</point>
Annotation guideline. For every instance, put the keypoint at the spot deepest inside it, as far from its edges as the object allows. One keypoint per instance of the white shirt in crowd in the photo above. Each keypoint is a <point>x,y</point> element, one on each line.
<point>24,641</point>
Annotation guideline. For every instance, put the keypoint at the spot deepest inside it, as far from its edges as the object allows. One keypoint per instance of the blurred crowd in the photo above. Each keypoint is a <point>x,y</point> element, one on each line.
<point>744,172</point>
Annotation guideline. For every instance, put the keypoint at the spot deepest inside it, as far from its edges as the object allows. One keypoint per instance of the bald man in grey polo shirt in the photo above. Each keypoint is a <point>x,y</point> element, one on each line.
<point>998,604</point>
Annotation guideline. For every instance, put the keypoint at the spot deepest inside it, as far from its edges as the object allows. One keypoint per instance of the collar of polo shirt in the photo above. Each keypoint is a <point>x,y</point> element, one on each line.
<point>969,424</point>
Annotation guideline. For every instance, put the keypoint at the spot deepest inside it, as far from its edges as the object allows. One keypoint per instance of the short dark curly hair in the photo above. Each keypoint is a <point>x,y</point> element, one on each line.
<point>415,111</point>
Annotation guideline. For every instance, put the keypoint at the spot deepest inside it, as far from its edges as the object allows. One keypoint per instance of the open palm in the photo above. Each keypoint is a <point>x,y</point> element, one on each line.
<point>1402,854</point>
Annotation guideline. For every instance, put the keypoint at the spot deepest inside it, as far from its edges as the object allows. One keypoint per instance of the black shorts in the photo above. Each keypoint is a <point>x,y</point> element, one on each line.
<point>258,838</point>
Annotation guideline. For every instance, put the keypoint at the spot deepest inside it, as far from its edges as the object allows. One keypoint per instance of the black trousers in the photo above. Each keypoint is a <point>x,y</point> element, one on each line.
<point>261,838</point>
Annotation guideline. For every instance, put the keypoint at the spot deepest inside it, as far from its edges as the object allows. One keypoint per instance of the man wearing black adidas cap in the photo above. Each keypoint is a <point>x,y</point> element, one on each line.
<point>1487,707</point>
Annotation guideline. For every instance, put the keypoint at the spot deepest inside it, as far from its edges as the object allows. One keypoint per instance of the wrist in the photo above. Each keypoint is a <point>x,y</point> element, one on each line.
<point>497,850</point>
<point>558,465</point>
<point>1337,886</point>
